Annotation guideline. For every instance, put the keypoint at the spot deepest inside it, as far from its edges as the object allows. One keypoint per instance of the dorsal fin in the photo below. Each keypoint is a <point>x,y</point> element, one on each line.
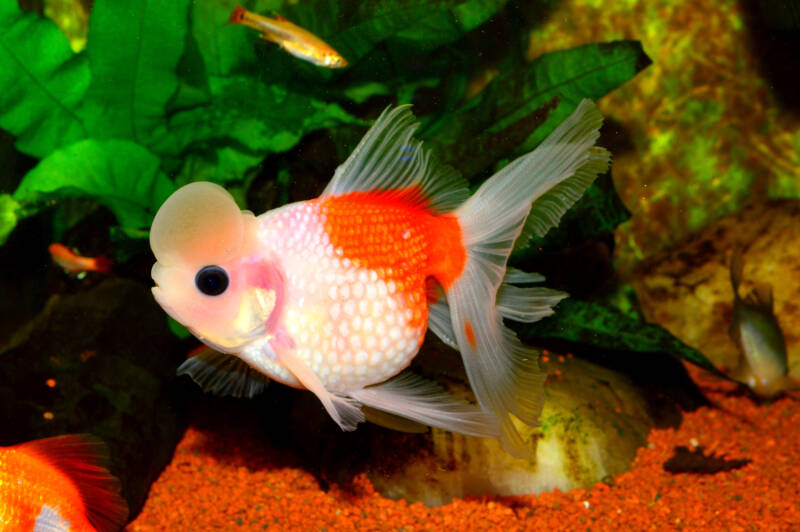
<point>388,159</point>
<point>223,374</point>
<point>83,459</point>
<point>281,18</point>
<point>761,297</point>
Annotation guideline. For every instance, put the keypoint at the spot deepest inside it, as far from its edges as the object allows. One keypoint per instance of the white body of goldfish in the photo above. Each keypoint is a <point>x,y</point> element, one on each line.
<point>335,294</point>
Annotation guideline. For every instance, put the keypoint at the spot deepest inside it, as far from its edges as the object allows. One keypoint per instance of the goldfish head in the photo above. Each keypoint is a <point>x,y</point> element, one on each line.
<point>210,274</point>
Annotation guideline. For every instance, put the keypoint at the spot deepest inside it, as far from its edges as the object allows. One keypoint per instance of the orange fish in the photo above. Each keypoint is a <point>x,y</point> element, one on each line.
<point>332,294</point>
<point>297,41</point>
<point>59,484</point>
<point>72,263</point>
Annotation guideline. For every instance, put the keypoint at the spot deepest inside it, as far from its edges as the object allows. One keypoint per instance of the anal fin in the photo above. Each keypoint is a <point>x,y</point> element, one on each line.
<point>345,411</point>
<point>413,397</point>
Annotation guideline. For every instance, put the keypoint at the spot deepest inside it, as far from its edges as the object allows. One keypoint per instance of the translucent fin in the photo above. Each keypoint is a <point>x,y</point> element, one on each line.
<point>519,304</point>
<point>389,159</point>
<point>199,224</point>
<point>551,206</point>
<point>505,374</point>
<point>515,276</point>
<point>527,304</point>
<point>439,322</point>
<point>83,459</point>
<point>410,396</point>
<point>49,520</point>
<point>345,411</point>
<point>223,374</point>
<point>761,297</point>
<point>390,421</point>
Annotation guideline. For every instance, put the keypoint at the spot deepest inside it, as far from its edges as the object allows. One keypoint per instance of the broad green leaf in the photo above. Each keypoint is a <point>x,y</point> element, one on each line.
<point>119,174</point>
<point>41,82</point>
<point>223,46</point>
<point>446,23</point>
<point>519,108</point>
<point>134,47</point>
<point>607,328</point>
<point>357,28</point>
<point>245,121</point>
<point>8,216</point>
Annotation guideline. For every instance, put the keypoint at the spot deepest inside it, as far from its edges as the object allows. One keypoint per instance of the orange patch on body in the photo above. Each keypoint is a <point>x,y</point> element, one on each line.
<point>395,235</point>
<point>470,334</point>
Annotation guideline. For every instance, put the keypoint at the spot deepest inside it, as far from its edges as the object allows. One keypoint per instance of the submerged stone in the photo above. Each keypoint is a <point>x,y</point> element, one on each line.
<point>594,419</point>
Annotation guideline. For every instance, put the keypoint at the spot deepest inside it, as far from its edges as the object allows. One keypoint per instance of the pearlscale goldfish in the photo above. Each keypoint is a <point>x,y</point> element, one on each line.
<point>755,331</point>
<point>335,295</point>
<point>292,38</point>
<point>74,263</point>
<point>59,485</point>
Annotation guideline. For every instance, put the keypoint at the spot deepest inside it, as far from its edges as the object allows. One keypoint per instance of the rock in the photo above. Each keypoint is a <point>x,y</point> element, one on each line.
<point>101,361</point>
<point>687,290</point>
<point>594,420</point>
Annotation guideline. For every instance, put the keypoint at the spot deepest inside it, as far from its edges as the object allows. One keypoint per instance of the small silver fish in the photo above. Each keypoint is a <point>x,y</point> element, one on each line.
<point>755,330</point>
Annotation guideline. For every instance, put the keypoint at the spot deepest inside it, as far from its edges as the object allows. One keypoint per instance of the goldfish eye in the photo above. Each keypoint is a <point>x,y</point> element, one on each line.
<point>211,280</point>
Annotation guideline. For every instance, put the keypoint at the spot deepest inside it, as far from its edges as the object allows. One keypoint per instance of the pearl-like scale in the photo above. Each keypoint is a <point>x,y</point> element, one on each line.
<point>353,328</point>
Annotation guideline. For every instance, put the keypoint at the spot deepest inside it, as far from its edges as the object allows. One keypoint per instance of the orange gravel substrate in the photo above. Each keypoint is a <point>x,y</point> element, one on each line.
<point>224,478</point>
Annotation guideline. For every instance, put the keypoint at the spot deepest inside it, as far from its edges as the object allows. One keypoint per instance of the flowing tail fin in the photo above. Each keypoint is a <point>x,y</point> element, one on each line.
<point>539,186</point>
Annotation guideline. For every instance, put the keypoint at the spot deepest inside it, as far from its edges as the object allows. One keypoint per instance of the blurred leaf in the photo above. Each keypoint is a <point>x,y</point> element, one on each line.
<point>8,216</point>
<point>134,47</point>
<point>519,108</point>
<point>177,329</point>
<point>245,121</point>
<point>41,82</point>
<point>604,327</point>
<point>119,174</point>
<point>223,46</point>
<point>359,29</point>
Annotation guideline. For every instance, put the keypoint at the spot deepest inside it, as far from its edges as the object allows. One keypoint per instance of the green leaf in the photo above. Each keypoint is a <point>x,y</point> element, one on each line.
<point>224,47</point>
<point>446,23</point>
<point>359,29</point>
<point>232,133</point>
<point>41,82</point>
<point>607,328</point>
<point>119,174</point>
<point>134,47</point>
<point>177,329</point>
<point>9,208</point>
<point>519,108</point>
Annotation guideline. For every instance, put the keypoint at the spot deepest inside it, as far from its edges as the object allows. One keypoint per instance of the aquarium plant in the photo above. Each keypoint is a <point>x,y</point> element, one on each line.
<point>165,93</point>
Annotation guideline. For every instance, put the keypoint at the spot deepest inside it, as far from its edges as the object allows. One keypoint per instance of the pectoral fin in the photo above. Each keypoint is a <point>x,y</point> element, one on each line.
<point>345,411</point>
<point>224,374</point>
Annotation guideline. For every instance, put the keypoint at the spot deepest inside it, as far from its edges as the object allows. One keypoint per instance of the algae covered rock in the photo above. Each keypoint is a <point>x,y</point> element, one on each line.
<point>101,361</point>
<point>596,415</point>
<point>687,289</point>
<point>593,421</point>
